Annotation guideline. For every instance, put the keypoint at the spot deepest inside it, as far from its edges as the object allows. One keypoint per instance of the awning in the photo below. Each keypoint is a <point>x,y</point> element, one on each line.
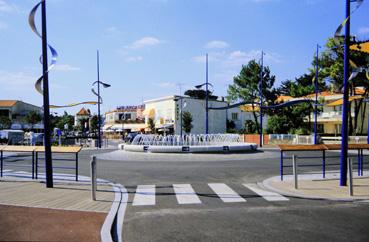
<point>165,126</point>
<point>149,112</point>
<point>117,127</point>
<point>339,102</point>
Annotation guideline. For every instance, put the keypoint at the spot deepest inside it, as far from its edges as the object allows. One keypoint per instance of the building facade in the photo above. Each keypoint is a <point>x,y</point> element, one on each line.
<point>125,119</point>
<point>166,114</point>
<point>16,110</point>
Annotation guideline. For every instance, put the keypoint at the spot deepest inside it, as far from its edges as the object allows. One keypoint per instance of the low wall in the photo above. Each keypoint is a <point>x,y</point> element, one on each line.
<point>255,138</point>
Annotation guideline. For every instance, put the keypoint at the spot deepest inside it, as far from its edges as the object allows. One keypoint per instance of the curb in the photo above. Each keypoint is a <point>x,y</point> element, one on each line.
<point>114,220</point>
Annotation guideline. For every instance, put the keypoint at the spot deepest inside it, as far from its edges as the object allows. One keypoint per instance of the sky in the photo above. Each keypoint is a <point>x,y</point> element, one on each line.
<point>148,48</point>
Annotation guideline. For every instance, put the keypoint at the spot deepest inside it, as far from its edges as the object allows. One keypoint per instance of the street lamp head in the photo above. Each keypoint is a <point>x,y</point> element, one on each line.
<point>105,85</point>
<point>199,86</point>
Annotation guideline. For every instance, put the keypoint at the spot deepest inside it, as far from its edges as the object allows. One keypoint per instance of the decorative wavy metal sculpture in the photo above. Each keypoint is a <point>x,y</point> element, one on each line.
<point>276,106</point>
<point>54,57</point>
<point>96,94</point>
<point>54,54</point>
<point>337,37</point>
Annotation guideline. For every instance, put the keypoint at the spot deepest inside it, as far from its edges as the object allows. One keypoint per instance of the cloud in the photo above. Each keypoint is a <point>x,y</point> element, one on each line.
<point>212,57</point>
<point>8,8</point>
<point>363,30</point>
<point>144,42</point>
<point>112,31</point>
<point>216,44</point>
<point>165,84</point>
<point>238,58</point>
<point>16,80</point>
<point>65,67</point>
<point>133,59</point>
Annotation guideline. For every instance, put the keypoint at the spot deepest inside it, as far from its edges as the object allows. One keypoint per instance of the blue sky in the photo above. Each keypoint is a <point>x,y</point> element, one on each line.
<point>148,47</point>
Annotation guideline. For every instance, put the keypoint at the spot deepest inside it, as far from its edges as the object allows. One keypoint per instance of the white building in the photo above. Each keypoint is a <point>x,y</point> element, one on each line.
<point>239,115</point>
<point>166,113</point>
<point>125,119</point>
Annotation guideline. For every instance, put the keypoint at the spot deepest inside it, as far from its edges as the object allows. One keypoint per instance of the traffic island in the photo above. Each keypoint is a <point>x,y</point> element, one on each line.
<point>312,186</point>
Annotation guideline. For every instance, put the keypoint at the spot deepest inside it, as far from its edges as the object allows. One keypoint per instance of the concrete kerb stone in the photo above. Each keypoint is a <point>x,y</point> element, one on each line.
<point>267,184</point>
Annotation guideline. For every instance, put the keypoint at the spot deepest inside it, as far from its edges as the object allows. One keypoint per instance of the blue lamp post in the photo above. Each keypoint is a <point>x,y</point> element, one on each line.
<point>316,96</point>
<point>206,84</point>
<point>99,99</point>
<point>261,98</point>
<point>345,110</point>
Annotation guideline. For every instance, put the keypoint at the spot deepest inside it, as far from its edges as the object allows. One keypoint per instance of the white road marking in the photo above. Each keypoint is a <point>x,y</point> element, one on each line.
<point>267,195</point>
<point>226,193</point>
<point>145,195</point>
<point>185,194</point>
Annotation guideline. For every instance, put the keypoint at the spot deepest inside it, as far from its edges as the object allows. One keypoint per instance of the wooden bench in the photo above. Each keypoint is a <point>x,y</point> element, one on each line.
<point>61,150</point>
<point>35,150</point>
<point>18,149</point>
<point>284,148</point>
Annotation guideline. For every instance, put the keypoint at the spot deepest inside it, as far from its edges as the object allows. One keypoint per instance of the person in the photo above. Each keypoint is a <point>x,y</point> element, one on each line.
<point>32,138</point>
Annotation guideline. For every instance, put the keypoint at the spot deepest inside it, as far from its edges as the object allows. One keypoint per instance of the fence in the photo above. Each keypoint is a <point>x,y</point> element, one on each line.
<point>276,139</point>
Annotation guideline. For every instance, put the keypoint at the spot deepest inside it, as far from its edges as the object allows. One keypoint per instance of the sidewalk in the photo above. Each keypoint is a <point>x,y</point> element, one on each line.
<point>31,212</point>
<point>313,186</point>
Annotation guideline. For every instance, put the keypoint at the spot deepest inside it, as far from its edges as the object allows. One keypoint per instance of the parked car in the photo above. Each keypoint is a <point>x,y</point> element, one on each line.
<point>12,137</point>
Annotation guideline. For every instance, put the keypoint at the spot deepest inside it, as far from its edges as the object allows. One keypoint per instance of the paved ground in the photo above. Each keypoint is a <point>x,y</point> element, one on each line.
<point>40,224</point>
<point>213,198</point>
<point>63,196</point>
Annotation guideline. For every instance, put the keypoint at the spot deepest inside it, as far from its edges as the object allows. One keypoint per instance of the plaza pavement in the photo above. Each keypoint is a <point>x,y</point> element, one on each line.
<point>31,212</point>
<point>313,186</point>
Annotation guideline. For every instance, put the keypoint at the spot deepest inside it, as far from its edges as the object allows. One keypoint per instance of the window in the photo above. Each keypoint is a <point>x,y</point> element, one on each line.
<point>234,116</point>
<point>128,116</point>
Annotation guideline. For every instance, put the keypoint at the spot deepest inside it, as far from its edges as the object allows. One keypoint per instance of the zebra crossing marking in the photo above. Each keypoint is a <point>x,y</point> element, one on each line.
<point>145,195</point>
<point>267,195</point>
<point>185,194</point>
<point>226,193</point>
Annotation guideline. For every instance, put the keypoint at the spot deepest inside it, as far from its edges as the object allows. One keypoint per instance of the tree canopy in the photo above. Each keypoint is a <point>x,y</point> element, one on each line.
<point>245,86</point>
<point>200,94</point>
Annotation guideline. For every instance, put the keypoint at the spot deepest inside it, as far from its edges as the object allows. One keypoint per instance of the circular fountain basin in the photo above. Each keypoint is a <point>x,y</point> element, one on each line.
<point>212,143</point>
<point>190,149</point>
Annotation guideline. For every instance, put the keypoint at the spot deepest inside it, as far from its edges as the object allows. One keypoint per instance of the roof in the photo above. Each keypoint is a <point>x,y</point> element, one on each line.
<point>83,112</point>
<point>321,94</point>
<point>363,46</point>
<point>8,103</point>
<point>340,101</point>
<point>283,98</point>
<point>248,108</point>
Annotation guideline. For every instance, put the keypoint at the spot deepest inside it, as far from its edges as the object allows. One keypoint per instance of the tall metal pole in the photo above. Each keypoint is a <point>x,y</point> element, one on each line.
<point>181,103</point>
<point>207,98</point>
<point>345,110</point>
<point>316,96</point>
<point>98,102</point>
<point>47,128</point>
<point>367,139</point>
<point>261,99</point>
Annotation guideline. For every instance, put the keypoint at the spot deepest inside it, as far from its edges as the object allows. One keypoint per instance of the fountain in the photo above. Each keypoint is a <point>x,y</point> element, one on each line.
<point>192,143</point>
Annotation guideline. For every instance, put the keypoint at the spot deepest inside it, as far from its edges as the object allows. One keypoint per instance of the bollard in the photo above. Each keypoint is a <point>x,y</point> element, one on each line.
<point>93,178</point>
<point>351,186</point>
<point>295,176</point>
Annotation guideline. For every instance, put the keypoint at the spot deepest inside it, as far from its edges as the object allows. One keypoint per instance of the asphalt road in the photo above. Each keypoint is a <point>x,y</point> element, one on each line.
<point>254,219</point>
